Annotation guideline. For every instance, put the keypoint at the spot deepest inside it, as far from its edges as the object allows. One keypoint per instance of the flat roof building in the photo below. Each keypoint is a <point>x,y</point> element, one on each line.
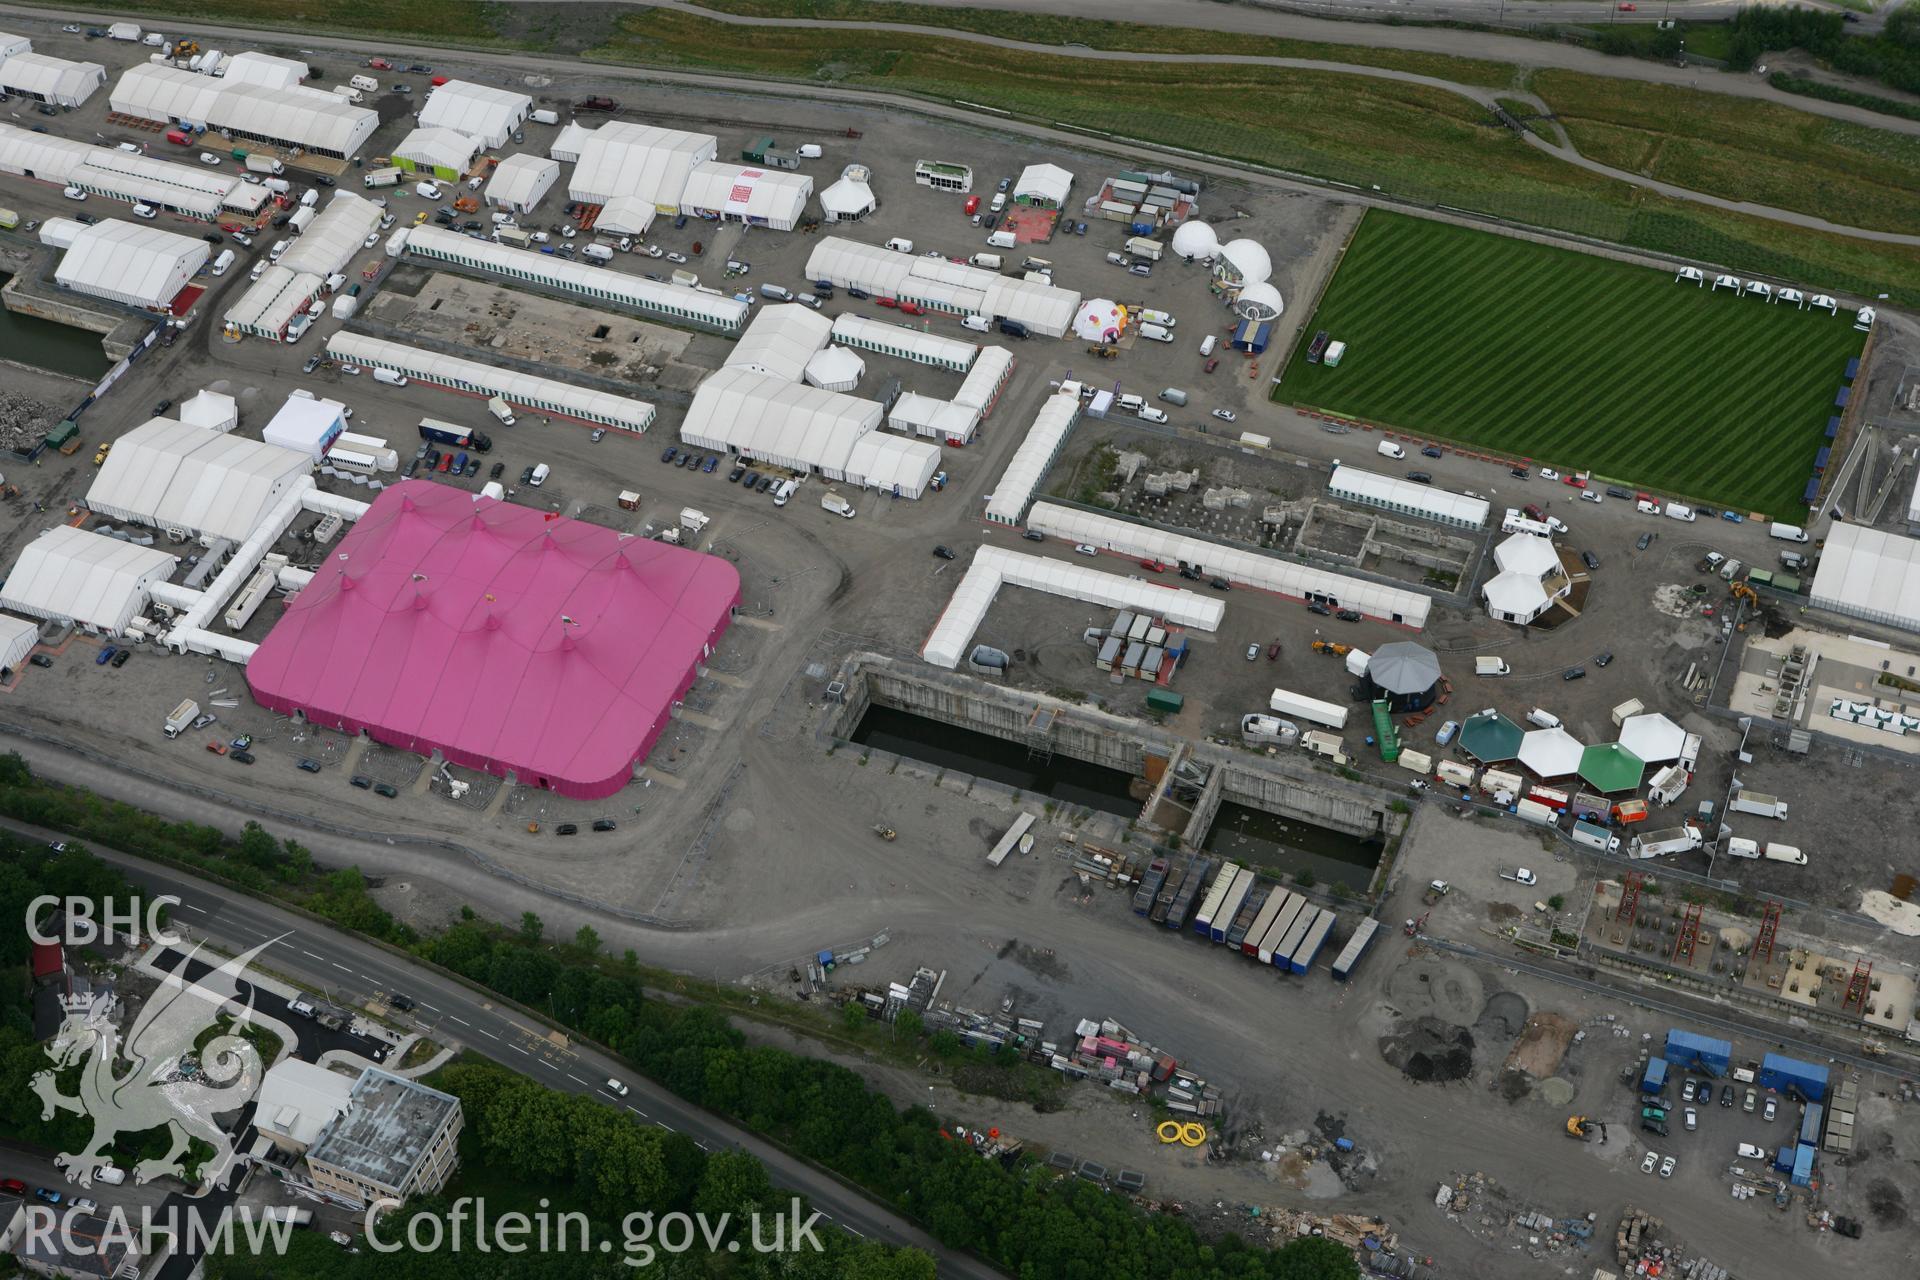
<point>297,1101</point>
<point>396,1139</point>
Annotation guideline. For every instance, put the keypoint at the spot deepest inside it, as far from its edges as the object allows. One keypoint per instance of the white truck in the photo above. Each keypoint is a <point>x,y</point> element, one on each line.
<point>1784,853</point>
<point>501,410</point>
<point>545,116</point>
<point>1259,731</point>
<point>183,715</point>
<point>833,502</point>
<point>124,31</point>
<point>388,177</point>
<point>1759,804</point>
<point>257,163</point>
<point>1655,844</point>
<point>1491,667</point>
<point>1141,247</point>
<point>1668,784</point>
<point>1594,836</point>
<point>598,252</point>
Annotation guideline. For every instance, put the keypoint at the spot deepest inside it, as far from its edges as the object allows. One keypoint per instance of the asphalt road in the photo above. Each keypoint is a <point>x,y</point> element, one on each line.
<point>351,971</point>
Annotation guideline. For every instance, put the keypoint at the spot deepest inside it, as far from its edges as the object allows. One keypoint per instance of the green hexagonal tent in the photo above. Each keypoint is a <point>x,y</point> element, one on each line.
<point>1608,767</point>
<point>1490,736</point>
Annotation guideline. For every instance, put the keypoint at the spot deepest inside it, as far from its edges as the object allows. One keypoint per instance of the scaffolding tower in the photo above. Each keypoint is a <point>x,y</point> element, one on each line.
<point>1629,897</point>
<point>1769,929</point>
<point>1858,988</point>
<point>1689,935</point>
<point>1040,735</point>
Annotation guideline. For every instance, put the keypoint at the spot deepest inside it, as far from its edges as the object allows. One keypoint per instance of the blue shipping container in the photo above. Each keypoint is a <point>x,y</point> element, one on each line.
<point>1356,948</point>
<point>1783,1159</point>
<point>1790,1076</point>
<point>1698,1053</point>
<point>1803,1165</point>
<point>1316,938</point>
<point>1810,1124</point>
<point>1655,1079</point>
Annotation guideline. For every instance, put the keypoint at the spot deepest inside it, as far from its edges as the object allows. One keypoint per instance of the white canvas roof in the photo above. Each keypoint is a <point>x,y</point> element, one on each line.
<point>926,416</point>
<point>214,410</point>
<point>989,367</point>
<point>570,141</point>
<point>780,340</point>
<point>836,369</point>
<point>626,216</point>
<point>909,344</point>
<point>1526,554</point>
<point>1393,604</point>
<point>302,117</point>
<point>273,300</point>
<point>437,149</point>
<point>54,79</point>
<point>306,426</point>
<point>159,181</point>
<point>11,44</point>
<point>847,200</point>
<point>172,474</point>
<point>1036,453</point>
<point>130,262</point>
<point>1046,182</point>
<point>155,92</point>
<point>618,287</point>
<point>263,69</point>
<point>943,285</point>
<point>1516,597</point>
<point>1551,753</point>
<point>17,638</point>
<point>1869,574</point>
<point>768,418</point>
<point>330,240</point>
<point>775,197</point>
<point>522,180</point>
<point>994,567</point>
<point>94,580</point>
<point>892,464</point>
<point>1653,737</point>
<point>479,110</point>
<point>48,157</point>
<point>1407,496</point>
<point>521,390</point>
<point>621,159</point>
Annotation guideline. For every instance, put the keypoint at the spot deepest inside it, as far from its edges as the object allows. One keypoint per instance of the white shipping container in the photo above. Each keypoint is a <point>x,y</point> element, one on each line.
<point>1301,707</point>
<point>1535,812</point>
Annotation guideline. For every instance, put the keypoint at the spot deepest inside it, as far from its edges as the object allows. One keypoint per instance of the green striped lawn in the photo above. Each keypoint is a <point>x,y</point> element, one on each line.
<point>1576,361</point>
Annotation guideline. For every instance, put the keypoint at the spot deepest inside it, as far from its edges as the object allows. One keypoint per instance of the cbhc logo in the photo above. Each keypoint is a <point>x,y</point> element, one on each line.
<point>117,921</point>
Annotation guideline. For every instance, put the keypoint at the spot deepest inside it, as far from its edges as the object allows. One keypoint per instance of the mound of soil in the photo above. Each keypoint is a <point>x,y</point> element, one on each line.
<point>1429,1051</point>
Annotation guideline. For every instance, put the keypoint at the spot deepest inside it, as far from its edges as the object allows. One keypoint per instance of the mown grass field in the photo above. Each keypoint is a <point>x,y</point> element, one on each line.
<point>1576,361</point>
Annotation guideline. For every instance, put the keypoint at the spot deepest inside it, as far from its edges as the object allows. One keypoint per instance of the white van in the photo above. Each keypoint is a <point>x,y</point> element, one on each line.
<point>110,1175</point>
<point>1130,403</point>
<point>1151,414</point>
<point>279,186</point>
<point>1154,333</point>
<point>146,211</point>
<point>1787,532</point>
<point>221,263</point>
<point>900,244</point>
<point>279,247</point>
<point>1647,508</point>
<point>979,324</point>
<point>1174,396</point>
<point>310,197</point>
<point>390,378</point>
<point>777,293</point>
<point>74,193</point>
<point>1784,853</point>
<point>1158,317</point>
<point>808,151</point>
<point>539,476</point>
<point>1003,240</point>
<point>1208,343</point>
<point>986,261</point>
<point>1543,719</point>
<point>1483,666</point>
<point>1388,449</point>
<point>783,491</point>
<point>1678,511</point>
<point>426,190</point>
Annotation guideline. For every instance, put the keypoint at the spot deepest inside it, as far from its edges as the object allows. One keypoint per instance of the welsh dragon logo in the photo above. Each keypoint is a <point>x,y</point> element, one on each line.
<point>154,1077</point>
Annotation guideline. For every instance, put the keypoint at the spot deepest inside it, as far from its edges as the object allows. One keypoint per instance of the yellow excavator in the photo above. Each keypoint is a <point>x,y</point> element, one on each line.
<point>1741,591</point>
<point>1332,648</point>
<point>1581,1129</point>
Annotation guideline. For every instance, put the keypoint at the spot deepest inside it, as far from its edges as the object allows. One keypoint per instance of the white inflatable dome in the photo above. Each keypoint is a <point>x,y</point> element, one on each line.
<point>1259,302</point>
<point>1100,320</point>
<point>1195,240</point>
<point>1248,260</point>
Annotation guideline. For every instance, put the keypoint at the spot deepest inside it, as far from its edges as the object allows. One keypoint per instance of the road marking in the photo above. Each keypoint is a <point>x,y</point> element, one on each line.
<point>305,952</point>
<point>189,906</point>
<point>342,968</point>
<point>462,1021</point>
<point>518,1049</point>
<point>488,1034</point>
<point>637,1111</point>
<point>577,1080</point>
<point>425,1005</point>
<point>703,1146</point>
<point>669,1128</point>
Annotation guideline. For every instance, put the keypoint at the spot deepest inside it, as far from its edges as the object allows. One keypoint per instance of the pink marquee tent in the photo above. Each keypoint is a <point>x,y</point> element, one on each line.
<point>505,640</point>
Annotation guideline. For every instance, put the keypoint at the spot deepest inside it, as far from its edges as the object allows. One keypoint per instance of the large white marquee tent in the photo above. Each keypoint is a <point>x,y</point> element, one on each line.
<point>175,475</point>
<point>91,579</point>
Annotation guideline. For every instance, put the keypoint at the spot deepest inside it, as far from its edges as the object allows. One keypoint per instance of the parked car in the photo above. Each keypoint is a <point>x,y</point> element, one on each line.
<point>386,789</point>
<point>1430,451</point>
<point>1548,473</point>
<point>1347,615</point>
<point>496,471</point>
<point>1768,1112</point>
<point>603,824</point>
<point>713,460</point>
<point>669,454</point>
<point>1273,651</point>
<point>1420,477</point>
<point>733,476</point>
<point>1253,653</point>
<point>120,658</point>
<point>566,829</point>
<point>1746,1105</point>
<point>1651,1162</point>
<point>1225,415</point>
<point>1574,673</point>
<point>241,757</point>
<point>41,660</point>
<point>943,552</point>
<point>1590,560</point>
<point>105,656</point>
<point>1667,1167</point>
<point>1519,473</point>
<point>1602,658</point>
<point>1033,535</point>
<point>1085,549</point>
<point>308,766</point>
<point>1446,733</point>
<point>1314,606</point>
<point>361,781</point>
<point>1644,541</point>
<point>1693,1118</point>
